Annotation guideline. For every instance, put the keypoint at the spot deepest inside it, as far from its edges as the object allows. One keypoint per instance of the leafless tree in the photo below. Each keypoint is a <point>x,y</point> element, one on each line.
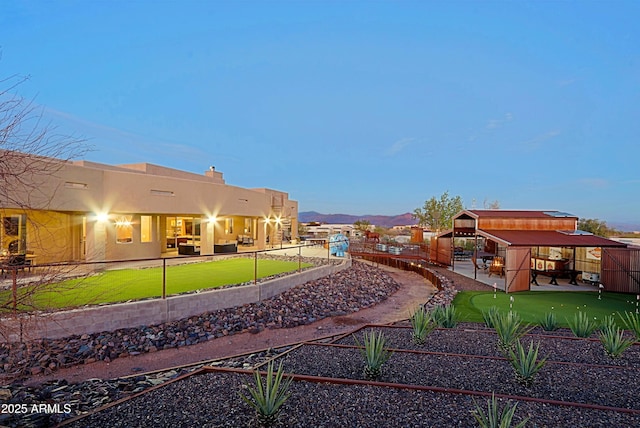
<point>30,150</point>
<point>491,205</point>
<point>31,153</point>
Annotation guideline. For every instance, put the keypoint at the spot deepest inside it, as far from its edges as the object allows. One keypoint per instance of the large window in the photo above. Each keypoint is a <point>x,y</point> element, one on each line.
<point>146,229</point>
<point>228,226</point>
<point>182,230</point>
<point>124,230</point>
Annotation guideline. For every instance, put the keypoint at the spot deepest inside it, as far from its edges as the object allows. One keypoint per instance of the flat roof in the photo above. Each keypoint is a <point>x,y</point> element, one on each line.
<point>548,238</point>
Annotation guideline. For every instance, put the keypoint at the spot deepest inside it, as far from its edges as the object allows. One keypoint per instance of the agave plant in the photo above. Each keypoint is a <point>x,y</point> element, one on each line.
<point>549,322</point>
<point>422,325</point>
<point>375,354</point>
<point>510,329</point>
<point>613,341</point>
<point>494,418</point>
<point>608,323</point>
<point>445,316</point>
<point>267,399</point>
<point>581,325</point>
<point>489,316</point>
<point>525,362</point>
<point>632,322</point>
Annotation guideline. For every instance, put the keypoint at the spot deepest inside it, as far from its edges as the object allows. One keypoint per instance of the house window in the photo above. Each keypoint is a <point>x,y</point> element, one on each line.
<point>11,225</point>
<point>13,235</point>
<point>145,228</point>
<point>228,225</point>
<point>247,225</point>
<point>124,230</point>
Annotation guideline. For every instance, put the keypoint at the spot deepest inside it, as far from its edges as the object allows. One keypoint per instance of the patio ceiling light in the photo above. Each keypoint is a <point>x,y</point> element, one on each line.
<point>102,217</point>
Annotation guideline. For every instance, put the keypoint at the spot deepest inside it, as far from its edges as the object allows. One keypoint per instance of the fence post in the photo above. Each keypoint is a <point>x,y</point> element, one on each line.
<point>299,259</point>
<point>328,249</point>
<point>164,279</point>
<point>255,268</point>
<point>14,288</point>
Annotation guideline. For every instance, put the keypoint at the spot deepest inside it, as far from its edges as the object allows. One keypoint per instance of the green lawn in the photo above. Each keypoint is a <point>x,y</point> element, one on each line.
<point>532,305</point>
<point>135,284</point>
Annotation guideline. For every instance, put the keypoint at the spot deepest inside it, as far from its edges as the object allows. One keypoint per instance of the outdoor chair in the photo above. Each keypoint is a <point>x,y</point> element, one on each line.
<point>475,263</point>
<point>14,262</point>
<point>13,246</point>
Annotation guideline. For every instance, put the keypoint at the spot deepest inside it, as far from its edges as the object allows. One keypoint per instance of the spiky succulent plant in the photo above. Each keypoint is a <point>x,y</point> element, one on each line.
<point>375,354</point>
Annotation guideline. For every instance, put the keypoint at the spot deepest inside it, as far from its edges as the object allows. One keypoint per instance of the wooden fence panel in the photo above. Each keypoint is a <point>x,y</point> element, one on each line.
<point>517,265</point>
<point>620,270</point>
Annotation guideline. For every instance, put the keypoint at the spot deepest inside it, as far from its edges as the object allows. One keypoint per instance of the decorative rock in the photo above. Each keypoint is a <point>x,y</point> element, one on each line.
<point>5,394</point>
<point>345,292</point>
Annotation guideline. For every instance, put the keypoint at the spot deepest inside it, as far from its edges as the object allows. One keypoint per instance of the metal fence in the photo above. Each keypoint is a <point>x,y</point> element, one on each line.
<point>26,287</point>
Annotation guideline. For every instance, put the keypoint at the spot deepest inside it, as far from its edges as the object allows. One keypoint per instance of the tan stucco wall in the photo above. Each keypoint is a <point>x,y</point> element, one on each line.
<point>89,189</point>
<point>48,234</point>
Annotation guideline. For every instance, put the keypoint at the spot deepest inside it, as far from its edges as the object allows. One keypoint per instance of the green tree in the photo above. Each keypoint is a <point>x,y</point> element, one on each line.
<point>438,213</point>
<point>362,225</point>
<point>595,226</point>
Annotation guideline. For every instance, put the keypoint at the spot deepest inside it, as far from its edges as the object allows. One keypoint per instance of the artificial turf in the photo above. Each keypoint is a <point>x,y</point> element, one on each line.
<point>532,305</point>
<point>123,285</point>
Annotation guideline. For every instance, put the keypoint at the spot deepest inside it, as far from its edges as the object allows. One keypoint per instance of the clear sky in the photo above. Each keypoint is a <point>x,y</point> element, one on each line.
<point>354,107</point>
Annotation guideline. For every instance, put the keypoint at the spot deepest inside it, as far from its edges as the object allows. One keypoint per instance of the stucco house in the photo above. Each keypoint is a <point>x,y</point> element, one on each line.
<point>87,211</point>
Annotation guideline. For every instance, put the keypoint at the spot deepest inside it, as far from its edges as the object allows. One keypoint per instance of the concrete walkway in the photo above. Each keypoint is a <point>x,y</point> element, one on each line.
<point>466,268</point>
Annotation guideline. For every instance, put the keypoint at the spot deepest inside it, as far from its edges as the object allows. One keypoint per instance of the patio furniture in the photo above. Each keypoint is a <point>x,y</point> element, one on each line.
<point>225,248</point>
<point>245,240</point>
<point>461,254</point>
<point>475,263</point>
<point>13,262</point>
<point>187,249</point>
<point>14,246</point>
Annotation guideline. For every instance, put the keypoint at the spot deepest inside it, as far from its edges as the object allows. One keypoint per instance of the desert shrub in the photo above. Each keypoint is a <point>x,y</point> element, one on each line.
<point>581,325</point>
<point>268,398</point>
<point>494,417</point>
<point>525,362</point>
<point>375,354</point>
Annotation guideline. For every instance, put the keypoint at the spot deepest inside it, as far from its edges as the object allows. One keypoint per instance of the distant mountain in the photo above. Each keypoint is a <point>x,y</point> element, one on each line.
<point>624,227</point>
<point>376,220</point>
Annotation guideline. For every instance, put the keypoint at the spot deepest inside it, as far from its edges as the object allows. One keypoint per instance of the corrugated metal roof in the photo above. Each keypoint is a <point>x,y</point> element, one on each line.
<point>548,238</point>
<point>520,214</point>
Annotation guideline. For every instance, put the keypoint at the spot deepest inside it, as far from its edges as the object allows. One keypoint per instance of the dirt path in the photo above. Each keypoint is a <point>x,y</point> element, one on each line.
<point>414,291</point>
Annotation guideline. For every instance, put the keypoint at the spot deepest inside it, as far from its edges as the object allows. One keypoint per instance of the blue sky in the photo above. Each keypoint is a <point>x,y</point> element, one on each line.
<point>358,107</point>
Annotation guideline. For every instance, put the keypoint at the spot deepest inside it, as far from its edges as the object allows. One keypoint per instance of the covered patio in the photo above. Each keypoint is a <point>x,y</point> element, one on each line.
<point>524,250</point>
<point>466,268</point>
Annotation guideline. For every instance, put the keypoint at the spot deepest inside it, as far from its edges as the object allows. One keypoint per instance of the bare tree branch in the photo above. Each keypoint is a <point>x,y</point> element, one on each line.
<point>30,151</point>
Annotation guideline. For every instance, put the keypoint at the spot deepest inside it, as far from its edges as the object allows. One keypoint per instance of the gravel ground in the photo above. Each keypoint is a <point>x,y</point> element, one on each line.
<point>477,339</point>
<point>211,400</point>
